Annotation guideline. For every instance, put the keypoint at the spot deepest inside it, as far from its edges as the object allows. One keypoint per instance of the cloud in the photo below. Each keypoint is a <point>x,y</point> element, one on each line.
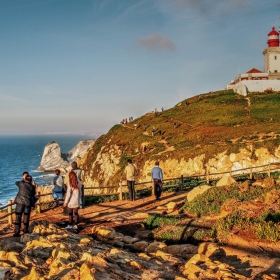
<point>156,42</point>
<point>207,7</point>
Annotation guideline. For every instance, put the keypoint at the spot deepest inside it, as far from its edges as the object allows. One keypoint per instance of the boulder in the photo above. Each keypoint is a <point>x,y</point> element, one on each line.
<point>153,247</point>
<point>197,191</point>
<point>210,249</point>
<point>226,180</point>
<point>140,246</point>
<point>53,158</point>
<point>172,206</point>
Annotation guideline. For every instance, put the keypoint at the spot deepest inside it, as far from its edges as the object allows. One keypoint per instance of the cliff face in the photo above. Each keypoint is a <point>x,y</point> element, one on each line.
<point>216,132</point>
<point>80,149</point>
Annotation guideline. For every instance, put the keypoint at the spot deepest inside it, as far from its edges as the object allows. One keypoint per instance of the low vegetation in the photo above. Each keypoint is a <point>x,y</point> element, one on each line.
<point>219,212</point>
<point>205,124</point>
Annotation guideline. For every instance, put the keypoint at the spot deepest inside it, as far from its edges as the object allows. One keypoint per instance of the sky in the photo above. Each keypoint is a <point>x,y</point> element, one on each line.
<point>81,66</point>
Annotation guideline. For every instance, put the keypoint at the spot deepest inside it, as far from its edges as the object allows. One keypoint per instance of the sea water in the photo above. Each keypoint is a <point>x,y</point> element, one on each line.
<point>24,153</point>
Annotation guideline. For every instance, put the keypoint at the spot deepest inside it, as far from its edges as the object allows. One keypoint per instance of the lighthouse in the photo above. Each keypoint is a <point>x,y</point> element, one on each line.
<point>272,55</point>
<point>273,38</point>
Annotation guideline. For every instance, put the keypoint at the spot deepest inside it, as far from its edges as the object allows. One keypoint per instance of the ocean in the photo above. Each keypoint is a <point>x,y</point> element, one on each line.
<point>24,153</point>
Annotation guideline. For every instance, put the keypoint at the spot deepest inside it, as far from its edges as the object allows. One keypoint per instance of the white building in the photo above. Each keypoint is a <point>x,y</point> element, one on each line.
<point>257,80</point>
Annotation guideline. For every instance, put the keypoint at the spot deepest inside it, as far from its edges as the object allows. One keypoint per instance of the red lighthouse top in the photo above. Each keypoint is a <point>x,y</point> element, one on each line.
<point>273,38</point>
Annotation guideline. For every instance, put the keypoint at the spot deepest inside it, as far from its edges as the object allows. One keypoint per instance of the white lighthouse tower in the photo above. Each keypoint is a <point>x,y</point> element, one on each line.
<point>272,56</point>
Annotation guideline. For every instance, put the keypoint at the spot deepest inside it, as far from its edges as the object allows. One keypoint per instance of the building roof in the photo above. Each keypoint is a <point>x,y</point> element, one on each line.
<point>255,70</point>
<point>273,32</point>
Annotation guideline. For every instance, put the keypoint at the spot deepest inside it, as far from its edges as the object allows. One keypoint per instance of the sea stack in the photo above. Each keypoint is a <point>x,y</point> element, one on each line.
<point>53,158</point>
<point>80,149</point>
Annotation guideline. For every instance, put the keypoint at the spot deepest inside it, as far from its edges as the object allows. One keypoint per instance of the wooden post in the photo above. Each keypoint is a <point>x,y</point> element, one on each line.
<point>38,206</point>
<point>207,177</point>
<point>251,173</point>
<point>82,197</point>
<point>153,188</point>
<point>10,217</point>
<point>120,191</point>
<point>269,171</point>
<point>182,182</point>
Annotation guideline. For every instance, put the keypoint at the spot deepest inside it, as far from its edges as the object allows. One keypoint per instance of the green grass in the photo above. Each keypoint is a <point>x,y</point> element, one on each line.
<point>261,226</point>
<point>203,128</point>
<point>211,201</point>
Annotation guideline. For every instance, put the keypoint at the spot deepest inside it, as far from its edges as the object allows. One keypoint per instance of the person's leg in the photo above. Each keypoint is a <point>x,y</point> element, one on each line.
<point>129,185</point>
<point>159,188</point>
<point>54,195</point>
<point>19,210</point>
<point>133,190</point>
<point>76,215</point>
<point>155,188</point>
<point>70,213</point>
<point>26,218</point>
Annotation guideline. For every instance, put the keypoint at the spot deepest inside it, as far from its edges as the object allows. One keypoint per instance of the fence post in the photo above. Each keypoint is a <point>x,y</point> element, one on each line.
<point>82,197</point>
<point>182,182</point>
<point>251,173</point>
<point>269,171</point>
<point>207,177</point>
<point>38,206</point>
<point>10,218</point>
<point>153,188</point>
<point>120,191</point>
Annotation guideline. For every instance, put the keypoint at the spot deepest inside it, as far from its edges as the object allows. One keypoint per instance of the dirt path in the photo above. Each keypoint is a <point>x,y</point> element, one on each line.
<point>111,213</point>
<point>167,148</point>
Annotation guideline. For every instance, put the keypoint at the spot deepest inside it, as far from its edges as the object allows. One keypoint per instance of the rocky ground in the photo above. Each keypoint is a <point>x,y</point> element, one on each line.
<point>112,244</point>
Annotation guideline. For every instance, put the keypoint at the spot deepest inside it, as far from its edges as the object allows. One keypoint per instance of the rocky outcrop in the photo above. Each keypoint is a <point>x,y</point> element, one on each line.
<point>80,149</point>
<point>107,164</point>
<point>52,158</point>
<point>49,252</point>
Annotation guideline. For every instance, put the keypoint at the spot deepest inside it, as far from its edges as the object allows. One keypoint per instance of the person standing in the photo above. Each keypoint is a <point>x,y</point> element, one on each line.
<point>72,200</point>
<point>80,174</point>
<point>130,172</point>
<point>25,199</point>
<point>157,177</point>
<point>58,183</point>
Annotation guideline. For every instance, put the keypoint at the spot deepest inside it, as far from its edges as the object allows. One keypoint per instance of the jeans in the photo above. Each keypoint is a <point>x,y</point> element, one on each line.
<point>131,190</point>
<point>57,195</point>
<point>157,188</point>
<point>22,209</point>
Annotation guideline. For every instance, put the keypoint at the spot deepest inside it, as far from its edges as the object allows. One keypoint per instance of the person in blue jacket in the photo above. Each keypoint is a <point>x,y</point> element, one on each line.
<point>157,177</point>
<point>58,189</point>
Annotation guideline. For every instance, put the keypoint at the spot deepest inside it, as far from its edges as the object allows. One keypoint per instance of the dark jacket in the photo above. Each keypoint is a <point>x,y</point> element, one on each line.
<point>26,193</point>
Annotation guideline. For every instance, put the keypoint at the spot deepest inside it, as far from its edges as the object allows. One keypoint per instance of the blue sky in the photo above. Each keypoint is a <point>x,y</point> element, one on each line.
<point>81,66</point>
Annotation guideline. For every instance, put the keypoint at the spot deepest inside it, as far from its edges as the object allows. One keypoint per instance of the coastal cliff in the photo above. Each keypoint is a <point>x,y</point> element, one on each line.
<point>213,132</point>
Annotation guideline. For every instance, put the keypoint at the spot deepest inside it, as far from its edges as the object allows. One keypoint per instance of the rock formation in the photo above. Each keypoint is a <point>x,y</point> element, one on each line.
<point>80,149</point>
<point>52,158</point>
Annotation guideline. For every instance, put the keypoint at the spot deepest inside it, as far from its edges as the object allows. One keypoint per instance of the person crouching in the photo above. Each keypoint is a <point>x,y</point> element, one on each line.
<point>72,200</point>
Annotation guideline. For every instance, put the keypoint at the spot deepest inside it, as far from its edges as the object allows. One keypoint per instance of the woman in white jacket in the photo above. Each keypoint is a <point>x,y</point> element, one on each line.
<point>72,200</point>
